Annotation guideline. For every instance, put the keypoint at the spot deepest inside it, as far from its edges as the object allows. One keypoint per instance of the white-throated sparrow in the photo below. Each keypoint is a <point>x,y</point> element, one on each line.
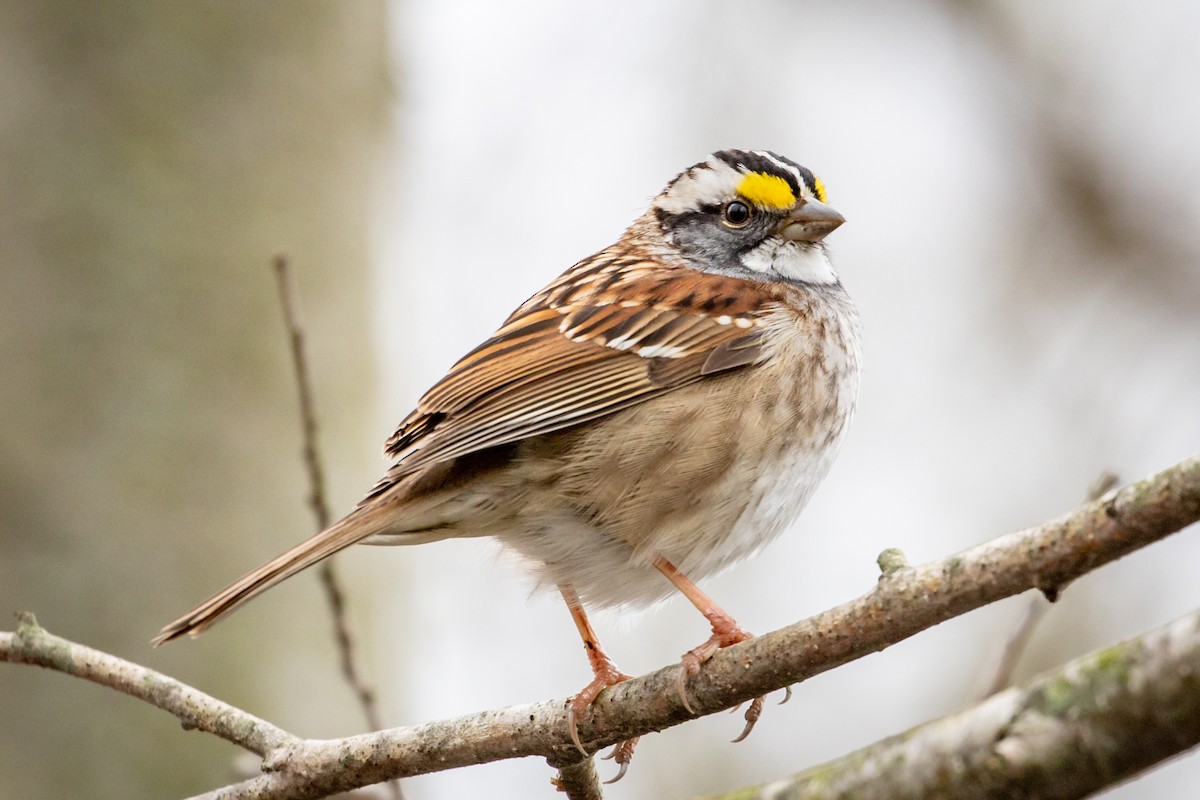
<point>663,409</point>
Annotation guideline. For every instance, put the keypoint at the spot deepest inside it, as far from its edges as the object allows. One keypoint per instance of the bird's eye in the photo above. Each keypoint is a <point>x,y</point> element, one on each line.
<point>736,214</point>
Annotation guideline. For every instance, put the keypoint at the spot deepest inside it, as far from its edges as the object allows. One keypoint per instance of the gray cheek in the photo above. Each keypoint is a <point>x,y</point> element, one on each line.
<point>711,247</point>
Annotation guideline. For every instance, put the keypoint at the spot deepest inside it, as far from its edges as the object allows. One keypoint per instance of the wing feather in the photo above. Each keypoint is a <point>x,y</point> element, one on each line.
<point>617,336</point>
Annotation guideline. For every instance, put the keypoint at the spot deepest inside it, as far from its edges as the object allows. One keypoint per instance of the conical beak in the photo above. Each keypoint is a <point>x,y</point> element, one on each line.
<point>810,222</point>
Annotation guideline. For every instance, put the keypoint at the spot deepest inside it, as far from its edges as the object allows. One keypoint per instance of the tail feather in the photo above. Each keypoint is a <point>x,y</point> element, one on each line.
<point>353,528</point>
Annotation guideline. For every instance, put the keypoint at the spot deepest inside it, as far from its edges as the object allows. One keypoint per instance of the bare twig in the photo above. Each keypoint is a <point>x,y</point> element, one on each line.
<point>31,644</point>
<point>1078,729</point>
<point>308,413</point>
<point>1014,647</point>
<point>1035,610</point>
<point>905,601</point>
<point>316,500</point>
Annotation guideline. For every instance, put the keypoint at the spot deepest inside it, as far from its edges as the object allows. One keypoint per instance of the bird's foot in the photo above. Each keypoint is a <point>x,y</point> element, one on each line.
<point>726,632</point>
<point>605,674</point>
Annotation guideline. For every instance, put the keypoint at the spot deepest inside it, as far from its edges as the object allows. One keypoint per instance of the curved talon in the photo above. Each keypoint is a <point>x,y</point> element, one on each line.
<point>752,715</point>
<point>787,695</point>
<point>573,730</point>
<point>606,675</point>
<point>689,665</point>
<point>623,753</point>
<point>681,687</point>
<point>620,774</point>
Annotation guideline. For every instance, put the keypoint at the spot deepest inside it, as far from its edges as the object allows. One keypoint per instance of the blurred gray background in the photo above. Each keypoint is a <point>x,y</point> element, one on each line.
<point>1020,183</point>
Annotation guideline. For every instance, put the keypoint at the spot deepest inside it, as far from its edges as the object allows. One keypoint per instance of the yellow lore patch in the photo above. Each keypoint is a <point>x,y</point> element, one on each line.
<point>766,190</point>
<point>819,189</point>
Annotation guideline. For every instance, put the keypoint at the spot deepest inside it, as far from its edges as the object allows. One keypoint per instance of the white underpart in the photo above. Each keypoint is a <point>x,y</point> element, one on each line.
<point>796,261</point>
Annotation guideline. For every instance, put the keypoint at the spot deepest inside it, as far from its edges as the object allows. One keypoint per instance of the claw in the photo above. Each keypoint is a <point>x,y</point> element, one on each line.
<point>623,753</point>
<point>752,715</point>
<point>681,686</point>
<point>573,729</point>
<point>787,695</point>
<point>620,774</point>
<point>582,703</point>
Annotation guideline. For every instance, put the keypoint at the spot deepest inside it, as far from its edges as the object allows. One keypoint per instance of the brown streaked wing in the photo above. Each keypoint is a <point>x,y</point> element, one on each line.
<point>565,358</point>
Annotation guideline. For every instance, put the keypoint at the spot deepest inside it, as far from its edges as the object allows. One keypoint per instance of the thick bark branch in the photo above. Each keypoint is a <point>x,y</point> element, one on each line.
<point>1099,720</point>
<point>905,601</point>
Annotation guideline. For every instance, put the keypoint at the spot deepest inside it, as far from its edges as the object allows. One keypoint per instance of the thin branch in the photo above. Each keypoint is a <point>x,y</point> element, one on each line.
<point>1035,610</point>
<point>905,601</point>
<point>308,413</point>
<point>31,644</point>
<point>1018,641</point>
<point>316,498</point>
<point>1097,721</point>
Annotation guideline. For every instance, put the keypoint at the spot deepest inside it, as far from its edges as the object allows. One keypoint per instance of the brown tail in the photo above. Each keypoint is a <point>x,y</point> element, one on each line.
<point>354,528</point>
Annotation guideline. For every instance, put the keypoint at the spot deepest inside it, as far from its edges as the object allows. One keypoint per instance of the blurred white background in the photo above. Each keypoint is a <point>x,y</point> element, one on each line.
<point>1020,184</point>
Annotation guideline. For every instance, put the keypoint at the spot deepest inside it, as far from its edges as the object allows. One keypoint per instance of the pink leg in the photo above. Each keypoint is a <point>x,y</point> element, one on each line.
<point>605,674</point>
<point>725,632</point>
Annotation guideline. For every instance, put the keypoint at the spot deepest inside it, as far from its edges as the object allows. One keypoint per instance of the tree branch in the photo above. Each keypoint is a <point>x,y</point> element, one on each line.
<point>579,781</point>
<point>196,710</point>
<point>1098,720</point>
<point>905,601</point>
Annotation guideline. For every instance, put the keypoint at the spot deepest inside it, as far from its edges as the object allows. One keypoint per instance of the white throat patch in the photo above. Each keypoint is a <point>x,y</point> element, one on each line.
<point>795,261</point>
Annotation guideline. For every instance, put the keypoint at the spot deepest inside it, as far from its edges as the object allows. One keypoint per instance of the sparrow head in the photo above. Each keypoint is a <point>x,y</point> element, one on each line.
<point>749,214</point>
